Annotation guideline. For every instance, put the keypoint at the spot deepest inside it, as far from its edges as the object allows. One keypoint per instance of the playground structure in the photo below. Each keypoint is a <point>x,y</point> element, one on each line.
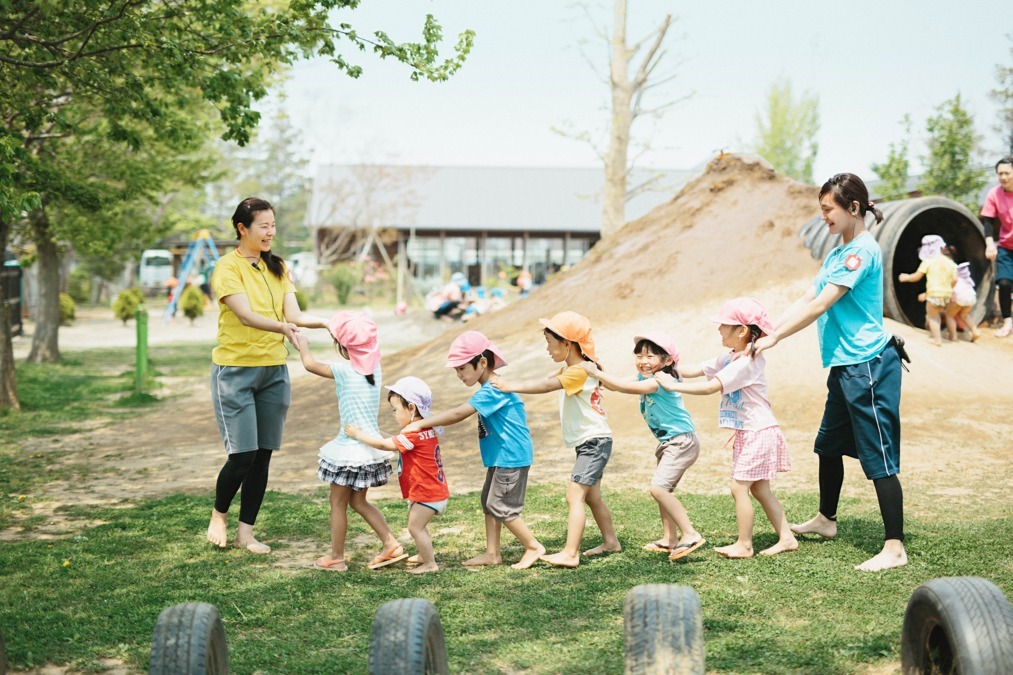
<point>203,244</point>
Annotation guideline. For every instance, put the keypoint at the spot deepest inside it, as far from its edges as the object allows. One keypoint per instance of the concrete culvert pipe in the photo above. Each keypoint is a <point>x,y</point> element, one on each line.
<point>904,224</point>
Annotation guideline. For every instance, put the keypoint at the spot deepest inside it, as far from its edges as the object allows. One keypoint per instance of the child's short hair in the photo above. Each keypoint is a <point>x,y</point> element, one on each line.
<point>654,348</point>
<point>489,357</point>
<point>405,403</point>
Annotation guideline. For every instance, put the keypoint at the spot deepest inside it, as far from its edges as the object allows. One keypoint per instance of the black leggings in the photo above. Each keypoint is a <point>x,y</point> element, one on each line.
<point>249,470</point>
<point>1005,301</point>
<point>888,491</point>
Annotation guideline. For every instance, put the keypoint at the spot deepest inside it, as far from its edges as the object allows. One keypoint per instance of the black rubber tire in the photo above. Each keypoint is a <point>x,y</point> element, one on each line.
<point>189,639</point>
<point>958,625</point>
<point>663,630</point>
<point>407,638</point>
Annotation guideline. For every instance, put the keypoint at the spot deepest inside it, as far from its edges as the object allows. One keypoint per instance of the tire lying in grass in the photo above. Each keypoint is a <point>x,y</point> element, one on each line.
<point>958,625</point>
<point>663,630</point>
<point>407,638</point>
<point>189,639</point>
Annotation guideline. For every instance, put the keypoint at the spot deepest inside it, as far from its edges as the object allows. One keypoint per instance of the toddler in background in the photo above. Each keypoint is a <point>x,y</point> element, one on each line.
<point>940,274</point>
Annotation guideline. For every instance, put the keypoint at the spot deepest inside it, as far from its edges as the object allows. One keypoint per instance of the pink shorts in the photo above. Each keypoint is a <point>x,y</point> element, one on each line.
<point>760,454</point>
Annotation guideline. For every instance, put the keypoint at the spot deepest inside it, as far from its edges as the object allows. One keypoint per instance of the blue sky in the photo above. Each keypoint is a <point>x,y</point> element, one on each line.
<point>869,63</point>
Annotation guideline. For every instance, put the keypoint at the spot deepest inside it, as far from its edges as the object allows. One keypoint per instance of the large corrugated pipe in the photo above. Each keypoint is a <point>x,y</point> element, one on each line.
<point>904,224</point>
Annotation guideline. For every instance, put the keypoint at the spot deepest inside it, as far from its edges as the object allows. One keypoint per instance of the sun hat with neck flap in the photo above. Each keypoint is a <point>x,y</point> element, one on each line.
<point>744,312</point>
<point>356,332</point>
<point>575,328</point>
<point>416,392</point>
<point>470,344</point>
<point>663,340</point>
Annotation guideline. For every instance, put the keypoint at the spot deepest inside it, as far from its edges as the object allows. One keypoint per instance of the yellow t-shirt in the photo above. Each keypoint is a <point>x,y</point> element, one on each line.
<point>240,345</point>
<point>940,273</point>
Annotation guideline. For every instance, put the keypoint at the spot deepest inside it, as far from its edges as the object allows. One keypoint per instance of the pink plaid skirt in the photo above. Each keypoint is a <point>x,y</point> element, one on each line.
<point>760,454</point>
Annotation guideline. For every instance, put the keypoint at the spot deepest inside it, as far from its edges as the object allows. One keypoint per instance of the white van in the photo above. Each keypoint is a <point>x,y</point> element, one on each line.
<point>155,270</point>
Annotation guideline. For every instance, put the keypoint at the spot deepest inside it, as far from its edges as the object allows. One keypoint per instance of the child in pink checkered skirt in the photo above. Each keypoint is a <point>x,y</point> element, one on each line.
<point>759,450</point>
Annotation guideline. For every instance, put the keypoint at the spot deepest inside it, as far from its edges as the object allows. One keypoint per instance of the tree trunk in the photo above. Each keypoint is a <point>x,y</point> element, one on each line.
<point>45,342</point>
<point>614,206</point>
<point>8,377</point>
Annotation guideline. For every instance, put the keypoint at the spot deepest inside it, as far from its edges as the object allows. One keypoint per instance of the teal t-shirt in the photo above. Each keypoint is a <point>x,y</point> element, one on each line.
<point>503,435</point>
<point>665,414</point>
<point>851,331</point>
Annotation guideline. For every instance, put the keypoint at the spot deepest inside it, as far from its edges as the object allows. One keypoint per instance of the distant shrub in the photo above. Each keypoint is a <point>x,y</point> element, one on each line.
<point>127,302</point>
<point>344,277</point>
<point>303,300</point>
<point>67,307</point>
<point>192,303</point>
<point>79,285</point>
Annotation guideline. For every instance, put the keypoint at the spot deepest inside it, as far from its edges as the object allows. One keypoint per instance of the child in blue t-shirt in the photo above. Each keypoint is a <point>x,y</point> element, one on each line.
<point>504,441</point>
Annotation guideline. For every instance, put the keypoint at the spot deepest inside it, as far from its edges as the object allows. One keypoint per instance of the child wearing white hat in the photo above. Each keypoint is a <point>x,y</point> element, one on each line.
<point>419,465</point>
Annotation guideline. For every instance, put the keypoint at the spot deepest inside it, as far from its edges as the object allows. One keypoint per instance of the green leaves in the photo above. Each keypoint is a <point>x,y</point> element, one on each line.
<point>787,137</point>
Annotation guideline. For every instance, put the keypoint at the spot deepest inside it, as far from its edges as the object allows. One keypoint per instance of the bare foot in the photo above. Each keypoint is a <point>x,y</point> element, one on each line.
<point>820,525</point>
<point>217,533</point>
<point>483,560</point>
<point>735,550</point>
<point>561,559</point>
<point>781,547</point>
<point>331,564</point>
<point>604,548</point>
<point>892,555</point>
<point>530,557</point>
<point>424,569</point>
<point>414,560</point>
<point>251,545</point>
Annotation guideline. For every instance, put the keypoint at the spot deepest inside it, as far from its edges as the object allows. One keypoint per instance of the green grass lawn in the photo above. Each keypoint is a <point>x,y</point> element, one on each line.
<point>96,594</point>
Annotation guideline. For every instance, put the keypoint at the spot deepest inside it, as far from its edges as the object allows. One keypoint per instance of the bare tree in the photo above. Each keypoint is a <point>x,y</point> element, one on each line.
<point>354,207</point>
<point>628,83</point>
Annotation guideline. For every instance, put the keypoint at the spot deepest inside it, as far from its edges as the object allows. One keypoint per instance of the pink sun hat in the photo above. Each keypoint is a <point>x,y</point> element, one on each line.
<point>356,332</point>
<point>663,340</point>
<point>470,344</point>
<point>744,312</point>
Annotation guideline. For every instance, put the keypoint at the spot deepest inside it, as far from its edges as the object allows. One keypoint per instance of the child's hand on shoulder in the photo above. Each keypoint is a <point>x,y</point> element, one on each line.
<point>353,431</point>
<point>417,425</point>
<point>499,383</point>
<point>664,380</point>
<point>588,367</point>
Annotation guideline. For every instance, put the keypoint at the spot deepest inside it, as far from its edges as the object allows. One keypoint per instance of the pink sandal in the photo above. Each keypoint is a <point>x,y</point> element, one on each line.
<point>388,557</point>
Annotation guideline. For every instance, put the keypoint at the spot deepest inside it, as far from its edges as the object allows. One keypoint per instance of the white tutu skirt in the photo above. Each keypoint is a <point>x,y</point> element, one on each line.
<point>342,452</point>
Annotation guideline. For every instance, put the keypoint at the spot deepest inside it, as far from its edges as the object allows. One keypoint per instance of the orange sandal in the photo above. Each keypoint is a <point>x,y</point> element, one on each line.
<point>331,565</point>
<point>388,558</point>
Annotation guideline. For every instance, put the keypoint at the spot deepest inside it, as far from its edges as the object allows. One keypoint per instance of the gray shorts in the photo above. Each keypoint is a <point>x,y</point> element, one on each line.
<point>250,405</point>
<point>675,456</point>
<point>503,492</point>
<point>592,456</point>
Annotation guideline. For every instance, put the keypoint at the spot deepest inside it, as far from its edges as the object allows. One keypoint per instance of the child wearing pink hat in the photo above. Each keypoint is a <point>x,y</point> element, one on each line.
<point>419,465</point>
<point>349,466</point>
<point>585,429</point>
<point>759,451</point>
<point>670,422</point>
<point>504,441</point>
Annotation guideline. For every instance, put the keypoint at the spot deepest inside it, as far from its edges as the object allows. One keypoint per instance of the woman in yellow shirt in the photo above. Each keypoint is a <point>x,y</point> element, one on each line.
<point>250,386</point>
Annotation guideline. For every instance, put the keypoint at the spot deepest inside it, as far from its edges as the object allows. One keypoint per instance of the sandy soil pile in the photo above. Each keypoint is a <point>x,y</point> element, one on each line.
<point>732,231</point>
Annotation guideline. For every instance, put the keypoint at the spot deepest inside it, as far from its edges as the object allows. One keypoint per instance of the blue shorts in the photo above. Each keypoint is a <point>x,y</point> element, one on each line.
<point>862,415</point>
<point>1004,264</point>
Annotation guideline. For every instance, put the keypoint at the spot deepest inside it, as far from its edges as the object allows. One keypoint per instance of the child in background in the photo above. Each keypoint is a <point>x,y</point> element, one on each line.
<point>760,450</point>
<point>504,441</point>
<point>963,301</point>
<point>940,274</point>
<point>568,341</point>
<point>351,467</point>
<point>419,465</point>
<point>670,422</point>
